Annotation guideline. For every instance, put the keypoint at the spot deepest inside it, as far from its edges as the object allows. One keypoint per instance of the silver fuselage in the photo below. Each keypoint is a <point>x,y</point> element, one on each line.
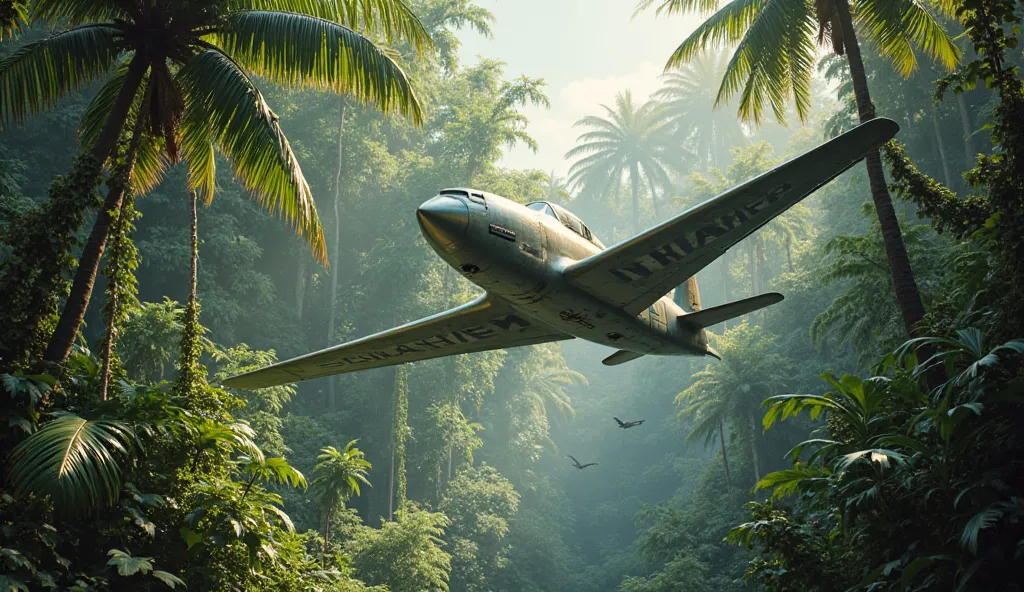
<point>519,255</point>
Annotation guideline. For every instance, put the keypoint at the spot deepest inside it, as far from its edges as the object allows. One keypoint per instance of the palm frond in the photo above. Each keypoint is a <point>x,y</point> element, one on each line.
<point>392,19</point>
<point>895,27</point>
<point>77,462</point>
<point>36,75</point>
<point>298,50</point>
<point>79,11</point>
<point>246,131</point>
<point>724,27</point>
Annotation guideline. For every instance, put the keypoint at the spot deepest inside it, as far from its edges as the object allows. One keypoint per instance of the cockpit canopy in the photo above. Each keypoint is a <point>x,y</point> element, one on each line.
<point>566,218</point>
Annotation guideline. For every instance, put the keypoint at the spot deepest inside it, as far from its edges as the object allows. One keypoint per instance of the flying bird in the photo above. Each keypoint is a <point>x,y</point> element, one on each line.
<point>628,424</point>
<point>577,464</point>
<point>546,277</point>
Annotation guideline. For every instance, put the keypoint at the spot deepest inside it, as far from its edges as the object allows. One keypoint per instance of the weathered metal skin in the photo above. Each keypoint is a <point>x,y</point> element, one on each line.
<point>547,278</point>
<point>526,270</point>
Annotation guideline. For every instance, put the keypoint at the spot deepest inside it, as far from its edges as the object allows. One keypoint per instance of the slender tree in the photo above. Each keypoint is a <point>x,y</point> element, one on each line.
<point>337,476</point>
<point>773,61</point>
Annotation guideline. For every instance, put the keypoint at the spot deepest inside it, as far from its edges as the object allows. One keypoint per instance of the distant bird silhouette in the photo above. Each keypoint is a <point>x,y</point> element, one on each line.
<point>628,424</point>
<point>577,464</point>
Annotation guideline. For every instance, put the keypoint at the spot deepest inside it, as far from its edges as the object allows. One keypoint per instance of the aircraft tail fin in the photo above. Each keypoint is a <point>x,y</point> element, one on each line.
<point>717,314</point>
<point>620,357</point>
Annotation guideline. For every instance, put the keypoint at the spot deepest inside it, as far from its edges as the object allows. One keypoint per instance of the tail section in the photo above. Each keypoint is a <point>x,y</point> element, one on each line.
<point>717,314</point>
<point>687,295</point>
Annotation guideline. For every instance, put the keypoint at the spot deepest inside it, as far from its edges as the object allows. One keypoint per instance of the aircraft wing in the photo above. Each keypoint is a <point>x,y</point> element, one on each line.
<point>636,273</point>
<point>483,324</point>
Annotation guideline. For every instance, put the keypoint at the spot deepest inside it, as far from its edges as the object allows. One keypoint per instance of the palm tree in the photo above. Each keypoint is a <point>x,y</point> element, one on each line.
<point>192,62</point>
<point>337,477</point>
<point>633,140</point>
<point>773,61</point>
<point>689,98</point>
<point>731,390</point>
<point>558,190</point>
<point>545,383</point>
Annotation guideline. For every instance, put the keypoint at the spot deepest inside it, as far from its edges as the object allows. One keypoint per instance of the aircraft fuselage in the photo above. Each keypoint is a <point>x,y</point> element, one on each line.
<point>519,254</point>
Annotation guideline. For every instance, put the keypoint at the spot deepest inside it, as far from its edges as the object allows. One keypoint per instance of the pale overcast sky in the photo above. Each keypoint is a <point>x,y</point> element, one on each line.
<point>586,51</point>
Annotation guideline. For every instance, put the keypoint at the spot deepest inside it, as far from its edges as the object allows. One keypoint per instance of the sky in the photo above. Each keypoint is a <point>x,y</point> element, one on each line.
<point>586,51</point>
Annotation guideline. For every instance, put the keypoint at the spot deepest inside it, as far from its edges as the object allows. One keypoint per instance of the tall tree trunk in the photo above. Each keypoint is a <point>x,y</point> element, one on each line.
<point>449,463</point>
<point>725,456</point>
<point>789,252</point>
<point>634,180</point>
<point>968,127</point>
<point>300,284</point>
<point>402,422</point>
<point>190,374</point>
<point>193,279</point>
<point>751,254</point>
<point>754,456</point>
<point>331,395</point>
<point>940,145</point>
<point>115,287</point>
<point>725,284</point>
<point>907,295</point>
<point>400,419</point>
<point>63,339</point>
<point>327,538</point>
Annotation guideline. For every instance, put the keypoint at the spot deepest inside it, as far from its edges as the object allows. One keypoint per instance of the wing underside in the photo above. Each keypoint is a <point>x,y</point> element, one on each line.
<point>482,325</point>
<point>636,273</point>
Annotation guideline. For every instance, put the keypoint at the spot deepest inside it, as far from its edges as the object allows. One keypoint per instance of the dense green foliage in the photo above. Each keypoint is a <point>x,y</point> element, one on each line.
<point>895,466</point>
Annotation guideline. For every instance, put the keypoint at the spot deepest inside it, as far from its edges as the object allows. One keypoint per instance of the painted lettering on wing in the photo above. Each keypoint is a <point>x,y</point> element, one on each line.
<point>448,340</point>
<point>690,241</point>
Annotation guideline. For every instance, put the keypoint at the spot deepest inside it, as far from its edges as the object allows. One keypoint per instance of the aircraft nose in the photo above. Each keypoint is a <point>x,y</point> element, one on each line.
<point>444,219</point>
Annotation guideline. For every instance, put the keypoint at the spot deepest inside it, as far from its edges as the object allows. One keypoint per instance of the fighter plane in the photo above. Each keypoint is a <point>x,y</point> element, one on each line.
<point>628,424</point>
<point>546,277</point>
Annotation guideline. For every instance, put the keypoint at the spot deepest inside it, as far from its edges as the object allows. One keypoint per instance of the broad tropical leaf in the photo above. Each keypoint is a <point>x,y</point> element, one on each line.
<point>127,565</point>
<point>78,462</point>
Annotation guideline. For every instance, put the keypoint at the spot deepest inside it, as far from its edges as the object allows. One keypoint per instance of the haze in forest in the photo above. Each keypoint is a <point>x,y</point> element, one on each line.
<point>181,204</point>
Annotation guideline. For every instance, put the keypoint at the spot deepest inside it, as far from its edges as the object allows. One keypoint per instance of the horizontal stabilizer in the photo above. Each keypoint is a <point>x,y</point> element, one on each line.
<point>717,314</point>
<point>620,357</point>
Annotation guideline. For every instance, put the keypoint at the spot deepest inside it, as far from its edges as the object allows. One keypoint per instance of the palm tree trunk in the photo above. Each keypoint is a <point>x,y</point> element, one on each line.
<point>331,395</point>
<point>634,180</point>
<point>968,127</point>
<point>327,538</point>
<point>907,295</point>
<point>941,147</point>
<point>725,456</point>
<point>63,338</point>
<point>754,457</point>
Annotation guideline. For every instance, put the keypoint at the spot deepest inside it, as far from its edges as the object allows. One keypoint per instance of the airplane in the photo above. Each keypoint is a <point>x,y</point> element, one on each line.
<point>628,424</point>
<point>577,464</point>
<point>546,277</point>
